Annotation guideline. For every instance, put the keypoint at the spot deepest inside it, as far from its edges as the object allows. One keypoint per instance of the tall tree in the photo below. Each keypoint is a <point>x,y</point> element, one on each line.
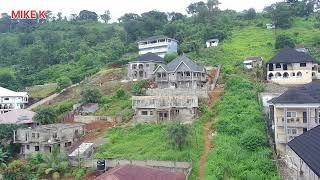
<point>106,16</point>
<point>86,15</point>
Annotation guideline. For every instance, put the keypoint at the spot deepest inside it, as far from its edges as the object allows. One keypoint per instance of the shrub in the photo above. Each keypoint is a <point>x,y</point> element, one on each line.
<point>63,82</point>
<point>178,135</point>
<point>90,95</point>
<point>46,116</point>
<point>137,87</point>
<point>252,139</point>
<point>284,41</point>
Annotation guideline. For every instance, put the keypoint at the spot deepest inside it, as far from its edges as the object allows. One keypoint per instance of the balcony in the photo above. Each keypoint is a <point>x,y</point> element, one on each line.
<point>296,122</point>
<point>184,78</point>
<point>283,139</point>
<point>153,45</point>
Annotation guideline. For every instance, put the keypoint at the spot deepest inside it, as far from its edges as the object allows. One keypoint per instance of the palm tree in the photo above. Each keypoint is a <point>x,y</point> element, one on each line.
<point>55,163</point>
<point>3,156</point>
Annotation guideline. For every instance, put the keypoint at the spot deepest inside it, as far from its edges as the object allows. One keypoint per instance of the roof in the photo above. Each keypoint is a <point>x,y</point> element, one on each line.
<point>306,94</point>
<point>156,38</point>
<point>289,55</point>
<point>150,57</point>
<point>18,116</point>
<point>9,93</point>
<point>307,147</point>
<point>130,172</point>
<point>173,65</point>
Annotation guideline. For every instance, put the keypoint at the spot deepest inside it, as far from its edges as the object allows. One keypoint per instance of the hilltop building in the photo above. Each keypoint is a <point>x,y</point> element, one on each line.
<point>160,45</point>
<point>10,100</point>
<point>43,138</point>
<point>143,67</point>
<point>212,43</point>
<point>290,67</point>
<point>294,112</point>
<point>253,62</point>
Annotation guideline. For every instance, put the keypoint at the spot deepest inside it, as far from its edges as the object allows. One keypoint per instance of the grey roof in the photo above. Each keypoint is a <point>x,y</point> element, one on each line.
<point>306,94</point>
<point>18,116</point>
<point>289,55</point>
<point>154,38</point>
<point>172,66</point>
<point>307,147</point>
<point>150,57</point>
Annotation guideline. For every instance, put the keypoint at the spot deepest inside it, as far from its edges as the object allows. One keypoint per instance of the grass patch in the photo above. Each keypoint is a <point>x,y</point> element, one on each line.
<point>42,91</point>
<point>149,142</point>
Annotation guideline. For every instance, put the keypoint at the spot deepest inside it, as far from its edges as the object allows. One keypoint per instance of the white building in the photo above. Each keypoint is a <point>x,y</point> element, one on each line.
<point>291,67</point>
<point>10,100</point>
<point>270,26</point>
<point>212,43</point>
<point>160,45</point>
<point>253,62</point>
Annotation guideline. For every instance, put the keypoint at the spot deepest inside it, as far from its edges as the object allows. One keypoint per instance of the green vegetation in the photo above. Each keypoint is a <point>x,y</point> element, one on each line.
<point>137,87</point>
<point>90,95</point>
<point>40,92</point>
<point>178,134</point>
<point>63,82</point>
<point>116,105</point>
<point>46,116</point>
<point>240,149</point>
<point>143,142</point>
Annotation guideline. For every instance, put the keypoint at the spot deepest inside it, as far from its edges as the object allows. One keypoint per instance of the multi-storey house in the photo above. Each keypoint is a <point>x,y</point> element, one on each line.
<point>290,66</point>
<point>10,100</point>
<point>294,112</point>
<point>160,45</point>
<point>143,67</point>
<point>43,138</point>
<point>181,73</point>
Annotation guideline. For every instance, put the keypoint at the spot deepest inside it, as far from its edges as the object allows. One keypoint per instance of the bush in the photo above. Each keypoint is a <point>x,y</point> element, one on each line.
<point>137,87</point>
<point>46,116</point>
<point>90,95</point>
<point>178,135</point>
<point>284,41</point>
<point>63,82</point>
<point>252,139</point>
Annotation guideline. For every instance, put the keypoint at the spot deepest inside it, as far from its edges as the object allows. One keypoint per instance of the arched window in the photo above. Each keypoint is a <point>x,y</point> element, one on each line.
<point>285,75</point>
<point>140,66</point>
<point>278,65</point>
<point>270,76</point>
<point>293,74</point>
<point>299,74</point>
<point>278,75</point>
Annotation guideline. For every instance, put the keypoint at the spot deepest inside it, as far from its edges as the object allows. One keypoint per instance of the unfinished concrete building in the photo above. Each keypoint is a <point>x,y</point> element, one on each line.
<point>143,67</point>
<point>165,108</point>
<point>181,73</point>
<point>43,138</point>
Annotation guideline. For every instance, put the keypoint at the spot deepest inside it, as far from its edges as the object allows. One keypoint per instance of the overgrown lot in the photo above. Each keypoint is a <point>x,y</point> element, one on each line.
<point>240,149</point>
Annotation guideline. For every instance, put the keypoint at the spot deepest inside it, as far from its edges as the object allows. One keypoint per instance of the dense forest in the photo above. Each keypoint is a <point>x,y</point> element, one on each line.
<point>40,51</point>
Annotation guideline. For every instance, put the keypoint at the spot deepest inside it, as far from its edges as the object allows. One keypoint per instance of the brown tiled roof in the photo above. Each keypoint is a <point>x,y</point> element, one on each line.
<point>130,172</point>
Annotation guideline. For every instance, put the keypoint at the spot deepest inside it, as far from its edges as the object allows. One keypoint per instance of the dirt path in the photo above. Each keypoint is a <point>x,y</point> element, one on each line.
<point>208,132</point>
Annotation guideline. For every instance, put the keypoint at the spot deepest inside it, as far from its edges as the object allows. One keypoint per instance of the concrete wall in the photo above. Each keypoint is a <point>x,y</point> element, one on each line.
<point>173,166</point>
<point>203,93</point>
<point>91,119</point>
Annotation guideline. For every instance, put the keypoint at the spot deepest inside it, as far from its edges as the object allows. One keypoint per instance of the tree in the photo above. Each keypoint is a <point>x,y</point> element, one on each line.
<point>281,14</point>
<point>59,15</point>
<point>55,163</point>
<point>46,116</point>
<point>137,87</point>
<point>63,82</point>
<point>3,156</point>
<point>284,41</point>
<point>86,15</point>
<point>250,14</point>
<point>106,16</point>
<point>169,57</point>
<point>178,135</point>
<point>174,16</point>
<point>90,95</point>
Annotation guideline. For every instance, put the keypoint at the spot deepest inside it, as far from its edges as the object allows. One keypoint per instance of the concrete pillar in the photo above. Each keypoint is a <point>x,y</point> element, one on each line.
<point>285,125</point>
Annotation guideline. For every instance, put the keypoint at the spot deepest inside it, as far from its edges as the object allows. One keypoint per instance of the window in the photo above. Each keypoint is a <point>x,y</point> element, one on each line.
<point>291,114</point>
<point>303,64</point>
<point>292,131</point>
<point>33,135</point>
<point>67,144</point>
<point>151,112</point>
<point>6,99</point>
<point>147,65</point>
<point>278,65</point>
<point>144,113</point>
<point>28,147</point>
<point>36,148</point>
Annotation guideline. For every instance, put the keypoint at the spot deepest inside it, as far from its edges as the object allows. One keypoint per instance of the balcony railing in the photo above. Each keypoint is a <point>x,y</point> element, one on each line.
<point>296,122</point>
<point>158,44</point>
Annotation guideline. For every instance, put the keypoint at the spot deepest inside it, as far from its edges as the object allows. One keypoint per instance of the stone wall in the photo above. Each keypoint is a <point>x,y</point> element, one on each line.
<point>91,119</point>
